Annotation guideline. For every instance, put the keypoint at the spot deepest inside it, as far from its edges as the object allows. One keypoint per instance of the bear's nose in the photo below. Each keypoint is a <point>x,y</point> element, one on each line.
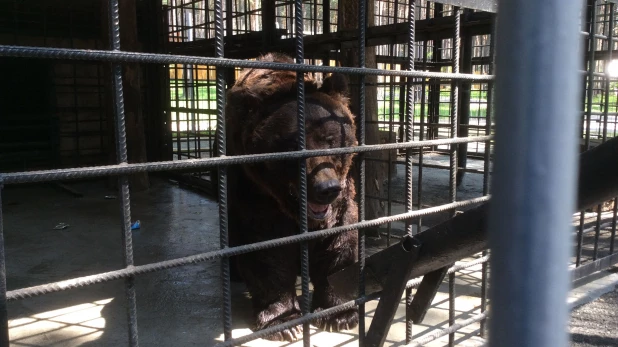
<point>327,191</point>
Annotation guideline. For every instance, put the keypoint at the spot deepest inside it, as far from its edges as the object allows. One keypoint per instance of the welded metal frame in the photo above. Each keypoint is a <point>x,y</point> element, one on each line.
<point>595,239</point>
<point>123,169</point>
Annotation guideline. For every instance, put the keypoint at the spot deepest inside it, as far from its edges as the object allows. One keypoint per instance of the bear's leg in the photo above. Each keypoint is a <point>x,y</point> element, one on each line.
<point>270,276</point>
<point>328,256</point>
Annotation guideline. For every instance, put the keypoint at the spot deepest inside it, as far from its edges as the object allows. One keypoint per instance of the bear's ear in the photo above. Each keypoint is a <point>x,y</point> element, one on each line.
<point>336,83</point>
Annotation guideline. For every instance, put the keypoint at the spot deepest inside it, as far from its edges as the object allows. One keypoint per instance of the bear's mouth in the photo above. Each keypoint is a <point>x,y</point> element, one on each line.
<point>318,212</point>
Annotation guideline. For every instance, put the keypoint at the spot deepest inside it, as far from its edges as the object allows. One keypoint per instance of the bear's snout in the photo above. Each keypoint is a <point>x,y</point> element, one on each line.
<point>326,191</point>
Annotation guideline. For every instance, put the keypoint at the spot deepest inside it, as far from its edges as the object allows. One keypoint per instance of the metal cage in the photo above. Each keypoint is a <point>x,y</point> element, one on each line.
<point>435,103</point>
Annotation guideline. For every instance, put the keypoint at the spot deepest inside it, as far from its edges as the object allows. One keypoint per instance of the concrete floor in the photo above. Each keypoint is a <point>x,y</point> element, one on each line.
<point>176,307</point>
<point>179,305</point>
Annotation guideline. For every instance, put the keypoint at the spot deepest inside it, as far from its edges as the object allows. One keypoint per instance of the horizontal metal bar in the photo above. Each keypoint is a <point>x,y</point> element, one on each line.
<point>443,244</point>
<point>299,321</point>
<point>123,169</point>
<point>595,266</point>
<point>598,36</point>
<point>465,234</point>
<point>333,310</point>
<point>482,5</point>
<point>78,282</point>
<point>463,266</point>
<point>453,328</point>
<point>428,166</point>
<point>415,282</point>
<point>152,58</point>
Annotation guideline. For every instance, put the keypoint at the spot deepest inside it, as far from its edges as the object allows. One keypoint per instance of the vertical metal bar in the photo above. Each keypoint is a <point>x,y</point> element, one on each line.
<point>453,160</point>
<point>580,239</point>
<point>300,78</point>
<point>589,95</point>
<point>421,137</point>
<point>610,47</point>
<point>537,87</point>
<point>362,23</point>
<point>229,17</point>
<point>315,17</point>
<point>597,233</point>
<point>396,12</point>
<point>409,127</point>
<point>455,113</point>
<point>391,118</point>
<point>597,226</point>
<point>613,234</point>
<point>222,172</point>
<point>123,181</point>
<point>486,165</point>
<point>451,307</point>
<point>591,68</point>
<point>4,319</point>
<point>326,17</point>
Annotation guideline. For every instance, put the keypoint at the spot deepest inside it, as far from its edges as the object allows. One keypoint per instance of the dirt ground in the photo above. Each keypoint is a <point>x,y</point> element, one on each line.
<point>596,323</point>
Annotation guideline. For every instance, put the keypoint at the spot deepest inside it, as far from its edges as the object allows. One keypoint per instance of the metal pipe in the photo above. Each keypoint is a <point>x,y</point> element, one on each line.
<point>305,303</point>
<point>409,126</point>
<point>590,72</point>
<point>123,181</point>
<point>453,161</point>
<point>487,156</point>
<point>226,291</point>
<point>409,136</point>
<point>362,23</point>
<point>152,58</point>
<point>466,234</point>
<point>193,164</point>
<point>537,87</point>
<point>4,319</point>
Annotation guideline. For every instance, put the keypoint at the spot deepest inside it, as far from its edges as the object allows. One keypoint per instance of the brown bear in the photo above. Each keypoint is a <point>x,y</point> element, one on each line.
<point>261,117</point>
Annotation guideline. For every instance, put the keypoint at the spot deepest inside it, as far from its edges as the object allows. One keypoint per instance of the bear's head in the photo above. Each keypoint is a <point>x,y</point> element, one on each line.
<point>329,123</point>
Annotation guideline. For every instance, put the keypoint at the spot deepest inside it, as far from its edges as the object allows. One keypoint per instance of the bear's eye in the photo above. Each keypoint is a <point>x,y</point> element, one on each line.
<point>330,140</point>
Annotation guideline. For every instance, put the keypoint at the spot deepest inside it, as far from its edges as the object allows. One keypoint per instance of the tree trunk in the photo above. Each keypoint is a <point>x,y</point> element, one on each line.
<point>376,172</point>
<point>131,83</point>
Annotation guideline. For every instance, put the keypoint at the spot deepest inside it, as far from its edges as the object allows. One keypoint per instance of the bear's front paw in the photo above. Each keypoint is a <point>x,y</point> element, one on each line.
<point>346,320</point>
<point>266,320</point>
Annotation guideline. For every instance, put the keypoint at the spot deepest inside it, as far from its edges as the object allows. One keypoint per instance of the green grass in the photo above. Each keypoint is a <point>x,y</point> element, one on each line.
<point>598,102</point>
<point>177,92</point>
<point>445,111</point>
<point>206,97</point>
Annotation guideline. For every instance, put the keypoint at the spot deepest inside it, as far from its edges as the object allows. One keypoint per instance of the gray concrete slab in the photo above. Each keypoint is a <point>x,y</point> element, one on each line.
<point>177,307</point>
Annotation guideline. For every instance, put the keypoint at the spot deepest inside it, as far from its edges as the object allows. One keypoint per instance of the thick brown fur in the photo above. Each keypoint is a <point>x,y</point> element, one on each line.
<point>261,117</point>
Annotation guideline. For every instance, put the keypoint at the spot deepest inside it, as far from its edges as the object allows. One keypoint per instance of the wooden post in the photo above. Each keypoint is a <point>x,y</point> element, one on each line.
<point>376,171</point>
<point>464,101</point>
<point>131,82</point>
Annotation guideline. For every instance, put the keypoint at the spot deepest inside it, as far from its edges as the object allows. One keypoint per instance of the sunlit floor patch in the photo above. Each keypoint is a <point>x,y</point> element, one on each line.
<point>69,325</point>
<point>318,338</point>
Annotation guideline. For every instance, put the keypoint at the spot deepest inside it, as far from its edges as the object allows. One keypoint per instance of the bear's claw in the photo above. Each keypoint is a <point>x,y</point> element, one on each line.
<point>290,334</point>
<point>346,320</point>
